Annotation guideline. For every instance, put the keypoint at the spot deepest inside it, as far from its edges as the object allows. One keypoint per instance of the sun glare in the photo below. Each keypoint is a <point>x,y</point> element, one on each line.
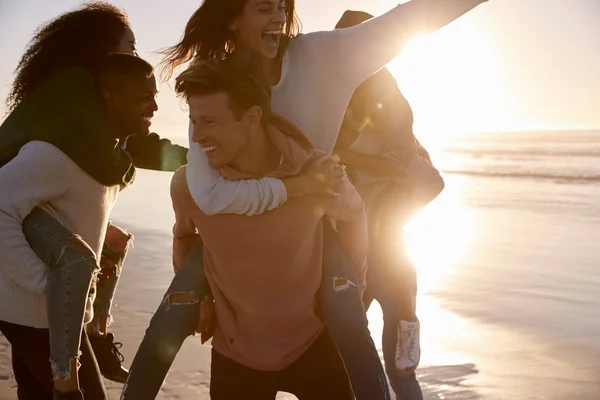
<point>453,80</point>
<point>437,238</point>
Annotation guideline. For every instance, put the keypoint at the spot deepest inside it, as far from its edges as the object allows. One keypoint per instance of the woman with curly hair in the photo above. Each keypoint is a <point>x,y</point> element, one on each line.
<point>55,99</point>
<point>81,37</point>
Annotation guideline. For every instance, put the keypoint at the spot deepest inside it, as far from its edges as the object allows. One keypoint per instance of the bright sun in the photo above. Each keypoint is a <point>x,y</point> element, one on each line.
<point>453,80</point>
<point>441,74</point>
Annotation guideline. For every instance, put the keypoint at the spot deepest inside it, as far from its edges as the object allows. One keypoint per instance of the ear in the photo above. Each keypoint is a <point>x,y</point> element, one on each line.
<point>232,26</point>
<point>253,117</point>
<point>108,98</point>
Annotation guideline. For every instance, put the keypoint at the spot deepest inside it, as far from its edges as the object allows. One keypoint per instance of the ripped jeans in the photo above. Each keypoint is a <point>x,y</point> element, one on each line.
<point>70,287</point>
<point>342,308</point>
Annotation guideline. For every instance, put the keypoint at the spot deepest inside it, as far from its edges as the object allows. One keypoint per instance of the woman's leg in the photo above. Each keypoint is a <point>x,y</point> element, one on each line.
<point>346,320</point>
<point>116,246</point>
<point>72,266</point>
<point>114,252</point>
<point>174,320</point>
<point>391,280</point>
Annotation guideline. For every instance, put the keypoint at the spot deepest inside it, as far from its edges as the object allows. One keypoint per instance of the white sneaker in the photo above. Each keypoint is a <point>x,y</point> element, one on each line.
<point>408,348</point>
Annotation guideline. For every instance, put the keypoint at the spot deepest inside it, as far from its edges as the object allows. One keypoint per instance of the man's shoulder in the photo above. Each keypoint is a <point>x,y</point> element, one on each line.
<point>179,180</point>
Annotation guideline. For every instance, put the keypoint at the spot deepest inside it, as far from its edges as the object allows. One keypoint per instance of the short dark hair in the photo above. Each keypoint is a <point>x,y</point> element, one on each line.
<point>241,77</point>
<point>116,68</point>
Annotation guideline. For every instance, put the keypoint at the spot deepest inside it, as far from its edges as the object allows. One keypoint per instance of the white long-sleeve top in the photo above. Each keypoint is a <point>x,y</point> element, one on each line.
<point>320,72</point>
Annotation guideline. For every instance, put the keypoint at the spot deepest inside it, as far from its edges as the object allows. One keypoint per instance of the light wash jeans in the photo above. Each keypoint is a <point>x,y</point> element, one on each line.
<point>106,288</point>
<point>70,287</point>
<point>343,313</point>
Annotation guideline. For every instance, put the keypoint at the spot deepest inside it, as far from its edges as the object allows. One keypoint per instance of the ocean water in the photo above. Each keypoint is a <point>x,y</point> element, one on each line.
<point>558,156</point>
<point>533,248</point>
<point>517,230</point>
<point>508,263</point>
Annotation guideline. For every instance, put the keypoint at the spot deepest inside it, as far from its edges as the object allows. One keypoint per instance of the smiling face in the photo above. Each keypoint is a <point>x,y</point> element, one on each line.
<point>221,133</point>
<point>132,106</point>
<point>260,26</point>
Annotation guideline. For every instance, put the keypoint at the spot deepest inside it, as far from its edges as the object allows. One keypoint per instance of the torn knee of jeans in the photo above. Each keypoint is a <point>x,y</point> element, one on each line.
<point>181,299</point>
<point>341,284</point>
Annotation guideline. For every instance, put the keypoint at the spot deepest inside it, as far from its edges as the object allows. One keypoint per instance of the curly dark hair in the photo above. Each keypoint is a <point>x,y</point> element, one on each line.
<point>80,37</point>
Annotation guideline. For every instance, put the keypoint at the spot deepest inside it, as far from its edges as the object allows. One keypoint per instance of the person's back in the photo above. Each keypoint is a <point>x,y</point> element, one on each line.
<point>265,270</point>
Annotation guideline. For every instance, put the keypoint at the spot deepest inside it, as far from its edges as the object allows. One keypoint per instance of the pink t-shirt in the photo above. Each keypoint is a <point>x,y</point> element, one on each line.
<point>265,270</point>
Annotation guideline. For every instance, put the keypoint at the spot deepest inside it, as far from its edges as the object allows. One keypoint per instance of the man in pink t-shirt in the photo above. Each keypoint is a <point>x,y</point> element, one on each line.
<point>264,270</point>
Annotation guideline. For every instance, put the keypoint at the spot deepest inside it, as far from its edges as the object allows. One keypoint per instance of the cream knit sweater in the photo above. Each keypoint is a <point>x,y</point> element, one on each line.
<point>42,175</point>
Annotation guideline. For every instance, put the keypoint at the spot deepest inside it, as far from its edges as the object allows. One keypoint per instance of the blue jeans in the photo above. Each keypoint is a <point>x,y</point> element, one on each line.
<point>106,288</point>
<point>171,324</point>
<point>68,288</point>
<point>343,312</point>
<point>346,319</point>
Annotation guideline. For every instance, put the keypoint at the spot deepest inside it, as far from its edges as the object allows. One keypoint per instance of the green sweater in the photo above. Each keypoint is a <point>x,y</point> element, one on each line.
<point>66,111</point>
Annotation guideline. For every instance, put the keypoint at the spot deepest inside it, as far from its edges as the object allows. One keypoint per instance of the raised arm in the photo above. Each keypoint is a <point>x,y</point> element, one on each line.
<point>38,174</point>
<point>360,51</point>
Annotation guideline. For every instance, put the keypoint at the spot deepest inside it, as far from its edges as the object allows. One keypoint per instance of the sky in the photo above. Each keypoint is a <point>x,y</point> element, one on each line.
<point>508,65</point>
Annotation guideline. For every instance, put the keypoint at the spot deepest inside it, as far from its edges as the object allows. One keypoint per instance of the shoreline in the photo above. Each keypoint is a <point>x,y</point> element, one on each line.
<point>503,319</point>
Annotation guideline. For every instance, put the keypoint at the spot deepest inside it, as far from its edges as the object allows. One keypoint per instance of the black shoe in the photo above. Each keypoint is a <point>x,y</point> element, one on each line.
<point>73,395</point>
<point>109,357</point>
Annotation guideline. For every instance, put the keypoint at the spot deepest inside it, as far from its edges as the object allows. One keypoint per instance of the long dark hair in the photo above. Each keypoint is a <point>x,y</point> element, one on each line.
<point>207,34</point>
<point>81,37</point>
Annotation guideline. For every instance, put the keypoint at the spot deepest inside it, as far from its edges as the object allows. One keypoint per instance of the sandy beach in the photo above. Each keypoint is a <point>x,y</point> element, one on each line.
<point>502,98</point>
<point>508,303</point>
